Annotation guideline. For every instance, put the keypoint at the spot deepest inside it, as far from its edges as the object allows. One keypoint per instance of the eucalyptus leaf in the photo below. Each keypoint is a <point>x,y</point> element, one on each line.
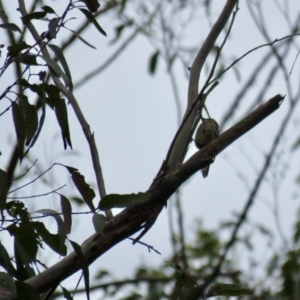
<point>11,26</point>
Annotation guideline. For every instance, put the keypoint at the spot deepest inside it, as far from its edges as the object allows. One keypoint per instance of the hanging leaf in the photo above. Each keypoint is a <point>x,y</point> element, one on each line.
<point>59,221</point>
<point>56,68</point>
<point>66,209</point>
<point>11,27</point>
<point>27,239</point>
<point>119,30</point>
<point>15,49</point>
<point>92,19</point>
<point>5,261</point>
<point>3,190</point>
<point>121,201</point>
<point>26,291</point>
<point>62,118</point>
<point>54,241</point>
<point>28,59</point>
<point>48,9</point>
<point>84,189</point>
<point>84,267</point>
<point>20,128</point>
<point>7,284</point>
<point>153,62</point>
<point>23,268</point>
<point>92,5</point>
<point>60,56</point>
<point>99,222</point>
<point>35,15</point>
<point>53,94</point>
<point>52,26</point>
<point>67,294</point>
<point>31,118</point>
<point>82,39</point>
<point>224,289</point>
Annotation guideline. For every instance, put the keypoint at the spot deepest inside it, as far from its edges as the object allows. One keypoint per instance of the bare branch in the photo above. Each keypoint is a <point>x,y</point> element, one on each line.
<point>143,215</point>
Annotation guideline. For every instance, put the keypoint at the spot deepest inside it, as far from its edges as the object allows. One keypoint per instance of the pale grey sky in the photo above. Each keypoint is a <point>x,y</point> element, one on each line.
<point>133,117</point>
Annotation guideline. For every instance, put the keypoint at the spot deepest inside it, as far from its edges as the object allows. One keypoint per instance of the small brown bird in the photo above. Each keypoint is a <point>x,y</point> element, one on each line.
<point>206,132</point>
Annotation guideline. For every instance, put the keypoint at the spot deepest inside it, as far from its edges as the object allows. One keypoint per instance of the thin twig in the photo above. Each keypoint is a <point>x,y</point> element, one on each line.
<point>40,195</point>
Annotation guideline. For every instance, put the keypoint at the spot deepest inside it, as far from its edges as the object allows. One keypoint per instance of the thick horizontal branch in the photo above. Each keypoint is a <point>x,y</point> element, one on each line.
<point>143,215</point>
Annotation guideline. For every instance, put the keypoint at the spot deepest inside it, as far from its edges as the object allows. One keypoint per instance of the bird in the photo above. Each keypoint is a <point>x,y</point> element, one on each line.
<point>206,132</point>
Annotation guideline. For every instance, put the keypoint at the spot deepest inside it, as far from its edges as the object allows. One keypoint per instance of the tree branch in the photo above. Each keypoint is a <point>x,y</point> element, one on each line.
<point>143,215</point>
<point>183,138</point>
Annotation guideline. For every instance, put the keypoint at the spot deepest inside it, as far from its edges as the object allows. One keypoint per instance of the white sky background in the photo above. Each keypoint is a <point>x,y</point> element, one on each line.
<point>133,116</point>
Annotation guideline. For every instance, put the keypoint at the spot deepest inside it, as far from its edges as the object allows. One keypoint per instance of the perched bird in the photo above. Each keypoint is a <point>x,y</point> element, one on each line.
<point>206,132</point>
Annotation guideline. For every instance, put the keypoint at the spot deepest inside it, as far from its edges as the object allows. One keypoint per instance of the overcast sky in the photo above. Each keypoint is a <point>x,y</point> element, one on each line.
<point>134,118</point>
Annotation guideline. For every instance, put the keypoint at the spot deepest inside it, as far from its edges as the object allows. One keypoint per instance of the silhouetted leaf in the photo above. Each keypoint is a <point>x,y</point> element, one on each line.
<point>48,9</point>
<point>23,267</point>
<point>15,49</point>
<point>121,201</point>
<point>31,118</point>
<point>62,118</point>
<point>66,209</point>
<point>84,267</point>
<point>82,39</point>
<point>84,189</point>
<point>20,128</point>
<point>59,221</point>
<point>53,94</point>
<point>35,15</point>
<point>224,289</point>
<point>92,5</point>
<point>11,27</point>
<point>60,56</point>
<point>92,19</point>
<point>78,200</point>
<point>27,239</point>
<point>27,59</point>
<point>3,190</point>
<point>67,294</point>
<point>55,241</point>
<point>153,62</point>
<point>26,291</point>
<point>5,261</point>
<point>99,222</point>
<point>119,30</point>
<point>56,68</point>
<point>7,284</point>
